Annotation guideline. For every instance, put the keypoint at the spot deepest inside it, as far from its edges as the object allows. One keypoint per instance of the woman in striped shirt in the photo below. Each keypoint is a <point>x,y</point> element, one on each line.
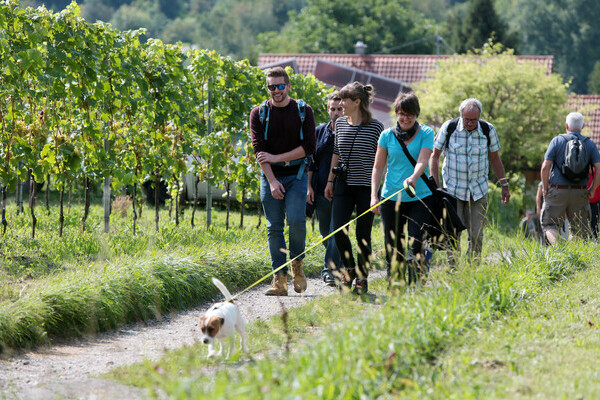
<point>357,133</point>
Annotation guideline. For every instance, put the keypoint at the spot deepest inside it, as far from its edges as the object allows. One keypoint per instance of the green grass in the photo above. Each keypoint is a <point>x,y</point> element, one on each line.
<point>392,351</point>
<point>24,257</point>
<point>548,349</point>
<point>412,345</point>
<point>94,281</point>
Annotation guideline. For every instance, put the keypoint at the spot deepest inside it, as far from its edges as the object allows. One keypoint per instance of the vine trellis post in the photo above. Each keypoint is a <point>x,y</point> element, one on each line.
<point>107,193</point>
<point>208,185</point>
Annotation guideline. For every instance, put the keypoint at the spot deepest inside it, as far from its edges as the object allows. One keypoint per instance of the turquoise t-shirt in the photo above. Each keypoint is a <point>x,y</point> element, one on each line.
<point>400,168</point>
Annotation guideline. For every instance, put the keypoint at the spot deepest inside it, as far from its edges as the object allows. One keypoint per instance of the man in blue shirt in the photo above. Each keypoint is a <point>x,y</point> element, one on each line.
<point>564,197</point>
<point>317,180</point>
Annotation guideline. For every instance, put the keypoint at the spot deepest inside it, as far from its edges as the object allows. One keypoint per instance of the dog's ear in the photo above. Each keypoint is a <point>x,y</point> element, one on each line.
<point>202,321</point>
<point>221,320</point>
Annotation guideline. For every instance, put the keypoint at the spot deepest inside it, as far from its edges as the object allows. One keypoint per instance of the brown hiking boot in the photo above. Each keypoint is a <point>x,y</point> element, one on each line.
<point>298,277</point>
<point>278,287</point>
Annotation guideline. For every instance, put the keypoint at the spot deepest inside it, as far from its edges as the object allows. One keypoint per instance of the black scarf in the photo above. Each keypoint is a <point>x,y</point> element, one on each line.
<point>406,135</point>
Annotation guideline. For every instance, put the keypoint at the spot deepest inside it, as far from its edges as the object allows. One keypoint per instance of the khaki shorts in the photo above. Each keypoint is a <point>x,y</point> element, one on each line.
<point>570,203</point>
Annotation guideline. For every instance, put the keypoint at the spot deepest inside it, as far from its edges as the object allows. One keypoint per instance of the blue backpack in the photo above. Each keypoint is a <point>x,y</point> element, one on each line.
<point>264,111</point>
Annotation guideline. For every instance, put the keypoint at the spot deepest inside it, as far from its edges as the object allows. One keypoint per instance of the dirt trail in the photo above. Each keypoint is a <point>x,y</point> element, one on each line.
<point>66,370</point>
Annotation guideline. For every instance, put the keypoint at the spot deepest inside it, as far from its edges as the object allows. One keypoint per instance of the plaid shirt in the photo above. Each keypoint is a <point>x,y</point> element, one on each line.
<point>466,160</point>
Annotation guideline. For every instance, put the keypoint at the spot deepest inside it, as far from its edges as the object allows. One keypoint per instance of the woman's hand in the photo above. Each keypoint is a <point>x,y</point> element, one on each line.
<point>412,181</point>
<point>375,200</point>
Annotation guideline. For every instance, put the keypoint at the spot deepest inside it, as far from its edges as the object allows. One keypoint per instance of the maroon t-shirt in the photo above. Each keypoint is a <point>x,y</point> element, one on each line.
<point>283,134</point>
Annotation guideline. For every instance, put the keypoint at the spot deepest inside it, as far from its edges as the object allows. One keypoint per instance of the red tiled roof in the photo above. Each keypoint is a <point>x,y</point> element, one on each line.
<point>589,106</point>
<point>402,67</point>
<point>412,68</point>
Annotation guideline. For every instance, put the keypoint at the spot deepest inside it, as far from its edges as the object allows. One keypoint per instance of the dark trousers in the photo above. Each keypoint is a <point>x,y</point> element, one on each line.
<point>395,217</point>
<point>324,215</point>
<point>595,211</point>
<point>345,200</point>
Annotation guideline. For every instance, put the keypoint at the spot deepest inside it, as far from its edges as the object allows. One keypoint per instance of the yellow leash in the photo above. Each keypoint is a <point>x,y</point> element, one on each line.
<point>316,244</point>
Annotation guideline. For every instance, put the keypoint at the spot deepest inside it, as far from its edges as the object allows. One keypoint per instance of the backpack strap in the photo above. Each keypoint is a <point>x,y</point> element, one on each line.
<point>430,183</point>
<point>570,136</point>
<point>302,113</point>
<point>449,131</point>
<point>485,128</point>
<point>264,111</point>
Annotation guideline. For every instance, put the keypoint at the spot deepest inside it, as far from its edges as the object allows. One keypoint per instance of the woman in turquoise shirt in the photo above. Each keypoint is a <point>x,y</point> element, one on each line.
<point>404,209</point>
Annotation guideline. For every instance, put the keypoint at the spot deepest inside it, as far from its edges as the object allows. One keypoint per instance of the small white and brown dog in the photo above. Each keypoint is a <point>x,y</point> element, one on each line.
<point>220,322</point>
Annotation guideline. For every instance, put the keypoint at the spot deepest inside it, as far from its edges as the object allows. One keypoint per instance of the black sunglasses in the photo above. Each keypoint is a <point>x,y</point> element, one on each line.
<point>280,86</point>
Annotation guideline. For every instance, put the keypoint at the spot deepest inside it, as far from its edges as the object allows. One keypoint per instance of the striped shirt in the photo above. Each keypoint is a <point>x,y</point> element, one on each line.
<point>360,157</point>
<point>466,160</point>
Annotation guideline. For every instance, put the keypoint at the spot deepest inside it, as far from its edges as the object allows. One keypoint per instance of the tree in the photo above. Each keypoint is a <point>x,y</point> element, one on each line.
<point>143,15</point>
<point>594,80</point>
<point>173,8</point>
<point>325,26</point>
<point>96,10</point>
<point>524,103</point>
<point>180,30</point>
<point>567,29</point>
<point>435,9</point>
<point>474,23</point>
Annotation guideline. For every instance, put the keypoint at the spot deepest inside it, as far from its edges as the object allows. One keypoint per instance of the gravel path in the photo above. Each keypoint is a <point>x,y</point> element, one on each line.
<point>66,370</point>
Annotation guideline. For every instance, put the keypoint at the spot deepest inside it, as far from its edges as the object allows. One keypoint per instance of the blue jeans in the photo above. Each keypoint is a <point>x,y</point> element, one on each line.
<point>325,217</point>
<point>293,205</point>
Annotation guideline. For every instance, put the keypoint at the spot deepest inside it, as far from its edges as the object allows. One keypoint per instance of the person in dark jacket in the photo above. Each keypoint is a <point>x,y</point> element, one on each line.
<point>317,180</point>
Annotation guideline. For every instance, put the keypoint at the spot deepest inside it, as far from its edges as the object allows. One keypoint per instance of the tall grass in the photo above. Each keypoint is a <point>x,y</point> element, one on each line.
<point>92,299</point>
<point>391,352</point>
<point>92,281</point>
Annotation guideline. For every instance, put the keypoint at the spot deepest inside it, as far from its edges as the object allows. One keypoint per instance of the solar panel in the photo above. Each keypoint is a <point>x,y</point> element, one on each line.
<point>288,62</point>
<point>339,75</point>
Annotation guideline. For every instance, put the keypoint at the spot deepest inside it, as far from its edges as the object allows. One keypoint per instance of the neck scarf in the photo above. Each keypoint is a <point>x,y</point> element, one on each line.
<point>406,135</point>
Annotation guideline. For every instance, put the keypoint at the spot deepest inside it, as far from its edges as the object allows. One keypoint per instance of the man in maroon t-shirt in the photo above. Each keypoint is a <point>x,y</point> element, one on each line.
<point>281,142</point>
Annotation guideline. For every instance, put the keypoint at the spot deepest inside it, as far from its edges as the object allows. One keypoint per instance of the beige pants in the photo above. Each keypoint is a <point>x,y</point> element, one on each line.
<point>570,203</point>
<point>473,214</point>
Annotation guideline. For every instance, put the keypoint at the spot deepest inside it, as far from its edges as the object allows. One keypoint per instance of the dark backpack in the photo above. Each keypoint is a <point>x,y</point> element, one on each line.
<point>576,165</point>
<point>264,111</point>
<point>485,128</point>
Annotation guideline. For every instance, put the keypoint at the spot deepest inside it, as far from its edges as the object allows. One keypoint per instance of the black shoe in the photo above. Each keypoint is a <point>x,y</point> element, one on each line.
<point>361,286</point>
<point>329,279</point>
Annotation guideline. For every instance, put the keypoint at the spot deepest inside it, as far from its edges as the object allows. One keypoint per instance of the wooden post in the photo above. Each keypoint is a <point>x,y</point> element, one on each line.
<point>208,186</point>
<point>107,194</point>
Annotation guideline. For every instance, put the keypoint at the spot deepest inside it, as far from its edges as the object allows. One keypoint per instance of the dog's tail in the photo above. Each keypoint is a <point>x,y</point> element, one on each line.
<point>222,288</point>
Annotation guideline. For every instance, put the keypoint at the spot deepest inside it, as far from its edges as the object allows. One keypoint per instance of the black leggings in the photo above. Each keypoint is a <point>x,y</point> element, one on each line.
<point>395,216</point>
<point>345,199</point>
